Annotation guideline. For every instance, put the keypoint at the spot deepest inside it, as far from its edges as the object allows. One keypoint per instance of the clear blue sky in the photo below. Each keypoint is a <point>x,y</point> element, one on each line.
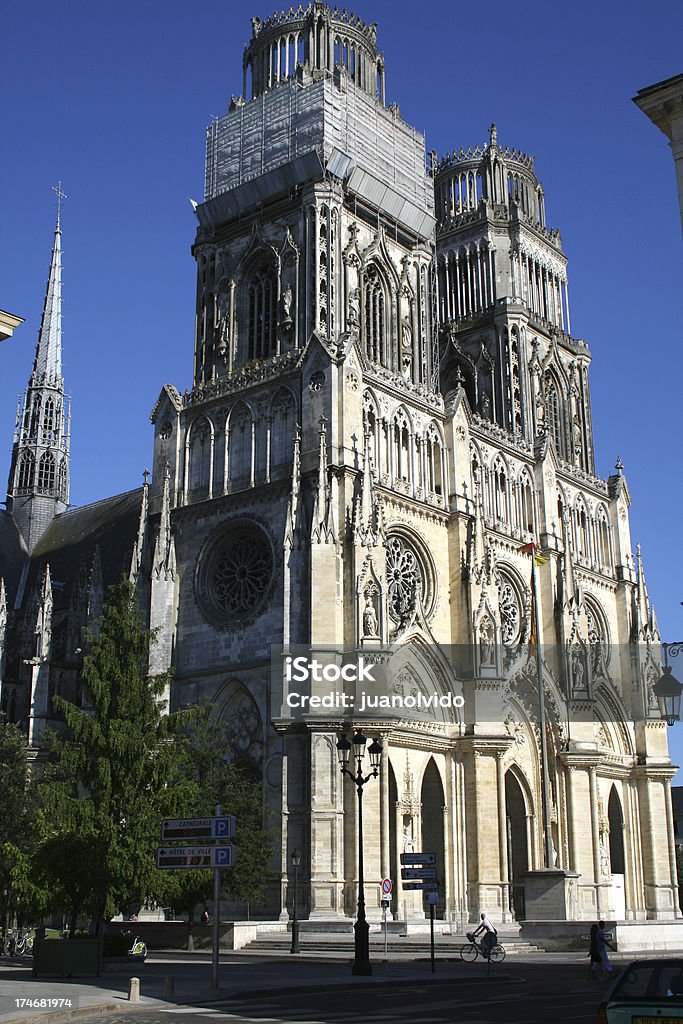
<point>114,99</point>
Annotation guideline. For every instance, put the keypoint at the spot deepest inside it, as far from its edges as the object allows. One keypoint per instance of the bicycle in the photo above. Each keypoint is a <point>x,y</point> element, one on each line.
<point>23,944</point>
<point>473,949</point>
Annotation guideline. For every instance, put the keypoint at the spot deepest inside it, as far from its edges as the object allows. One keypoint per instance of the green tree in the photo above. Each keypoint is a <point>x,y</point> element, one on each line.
<point>221,779</point>
<point>18,895</point>
<point>114,775</point>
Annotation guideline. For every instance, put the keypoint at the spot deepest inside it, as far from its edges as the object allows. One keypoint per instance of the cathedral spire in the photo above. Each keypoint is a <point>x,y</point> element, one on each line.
<point>38,486</point>
<point>47,366</point>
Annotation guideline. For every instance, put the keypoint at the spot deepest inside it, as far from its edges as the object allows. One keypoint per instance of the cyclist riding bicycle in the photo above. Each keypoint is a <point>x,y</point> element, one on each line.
<point>490,936</point>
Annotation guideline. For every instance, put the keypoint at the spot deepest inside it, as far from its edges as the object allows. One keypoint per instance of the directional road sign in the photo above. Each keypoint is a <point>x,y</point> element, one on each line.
<point>198,828</point>
<point>184,856</point>
<point>415,859</point>
<point>426,886</point>
<point>194,857</point>
<point>418,872</point>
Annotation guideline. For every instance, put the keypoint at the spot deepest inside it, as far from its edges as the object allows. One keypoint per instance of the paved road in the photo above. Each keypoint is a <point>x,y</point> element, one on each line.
<point>519,993</point>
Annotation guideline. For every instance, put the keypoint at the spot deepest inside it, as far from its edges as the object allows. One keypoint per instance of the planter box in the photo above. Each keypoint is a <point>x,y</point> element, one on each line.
<point>67,957</point>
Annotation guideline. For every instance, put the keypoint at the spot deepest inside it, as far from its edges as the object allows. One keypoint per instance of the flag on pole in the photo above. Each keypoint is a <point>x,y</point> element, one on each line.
<point>531,549</point>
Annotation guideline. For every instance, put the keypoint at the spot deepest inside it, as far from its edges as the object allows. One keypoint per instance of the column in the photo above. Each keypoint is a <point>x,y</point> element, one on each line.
<point>672,848</point>
<point>384,830</point>
<point>502,836</point>
<point>595,830</point>
<point>212,453</point>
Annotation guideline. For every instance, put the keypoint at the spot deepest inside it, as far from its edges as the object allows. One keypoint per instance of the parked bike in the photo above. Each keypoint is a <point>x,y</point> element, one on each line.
<point>138,950</point>
<point>473,949</point>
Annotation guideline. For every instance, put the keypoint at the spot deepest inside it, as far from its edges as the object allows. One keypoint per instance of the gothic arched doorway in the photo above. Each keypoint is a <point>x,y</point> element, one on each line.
<point>517,842</point>
<point>433,809</point>
<point>616,853</point>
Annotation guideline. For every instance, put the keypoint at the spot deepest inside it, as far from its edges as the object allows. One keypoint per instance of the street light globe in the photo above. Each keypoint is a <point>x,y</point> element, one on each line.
<point>668,691</point>
<point>359,741</point>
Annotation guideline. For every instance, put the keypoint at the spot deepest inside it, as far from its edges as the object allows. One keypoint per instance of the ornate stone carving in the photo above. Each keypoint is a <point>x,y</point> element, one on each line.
<point>234,574</point>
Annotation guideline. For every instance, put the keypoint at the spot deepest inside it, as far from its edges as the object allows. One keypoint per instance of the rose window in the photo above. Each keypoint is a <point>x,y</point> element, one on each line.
<point>510,618</point>
<point>235,574</point>
<point>407,580</point>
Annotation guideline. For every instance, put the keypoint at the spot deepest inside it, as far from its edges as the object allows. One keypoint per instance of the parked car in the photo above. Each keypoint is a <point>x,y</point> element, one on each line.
<point>646,992</point>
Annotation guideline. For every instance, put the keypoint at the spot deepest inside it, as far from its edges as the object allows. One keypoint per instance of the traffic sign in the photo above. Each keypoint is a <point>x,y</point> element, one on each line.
<point>425,886</point>
<point>180,857</point>
<point>386,886</point>
<point>198,828</point>
<point>223,856</point>
<point>385,904</point>
<point>418,858</point>
<point>418,872</point>
<point>195,857</point>
<point>430,898</point>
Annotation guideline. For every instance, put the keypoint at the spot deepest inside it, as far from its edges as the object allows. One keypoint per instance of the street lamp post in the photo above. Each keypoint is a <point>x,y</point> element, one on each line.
<point>361,929</point>
<point>667,689</point>
<point>296,861</point>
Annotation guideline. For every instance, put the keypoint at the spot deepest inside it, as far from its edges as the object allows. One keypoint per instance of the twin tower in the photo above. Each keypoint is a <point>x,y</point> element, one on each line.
<point>387,404</point>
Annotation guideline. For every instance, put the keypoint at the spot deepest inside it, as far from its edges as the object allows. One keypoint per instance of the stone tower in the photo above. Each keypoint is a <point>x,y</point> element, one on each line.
<point>38,486</point>
<point>387,406</point>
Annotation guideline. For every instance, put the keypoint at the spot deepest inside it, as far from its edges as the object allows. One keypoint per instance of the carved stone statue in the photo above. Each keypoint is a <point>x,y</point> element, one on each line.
<point>370,623</point>
<point>287,301</point>
<point>577,670</point>
<point>353,317</point>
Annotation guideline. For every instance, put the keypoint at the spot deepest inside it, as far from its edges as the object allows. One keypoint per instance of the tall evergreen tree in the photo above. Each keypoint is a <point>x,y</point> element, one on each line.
<point>17,826</point>
<point>115,774</point>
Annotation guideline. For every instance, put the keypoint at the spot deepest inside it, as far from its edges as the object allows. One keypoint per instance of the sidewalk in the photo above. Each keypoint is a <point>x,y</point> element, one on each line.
<point>245,975</point>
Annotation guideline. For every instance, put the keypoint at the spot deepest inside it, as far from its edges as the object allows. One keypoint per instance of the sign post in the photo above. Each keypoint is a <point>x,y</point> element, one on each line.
<point>387,886</point>
<point>214,854</point>
<point>419,872</point>
<point>216,918</point>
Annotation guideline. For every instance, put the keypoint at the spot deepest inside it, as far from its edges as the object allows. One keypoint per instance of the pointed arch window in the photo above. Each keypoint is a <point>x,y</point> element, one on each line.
<point>261,313</point>
<point>48,419</point>
<point>62,484</point>
<point>500,493</point>
<point>27,466</point>
<point>375,310</point>
<point>554,415</point>
<point>46,472</point>
<point>401,435</point>
<point>434,463</point>
<point>527,505</point>
<point>604,554</point>
<point>35,416</point>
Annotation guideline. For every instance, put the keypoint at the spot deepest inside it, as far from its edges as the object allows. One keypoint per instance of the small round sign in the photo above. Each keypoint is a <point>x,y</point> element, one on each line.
<point>386,886</point>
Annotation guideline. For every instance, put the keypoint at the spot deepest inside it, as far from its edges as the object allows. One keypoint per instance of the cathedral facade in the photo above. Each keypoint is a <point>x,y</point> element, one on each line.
<point>388,413</point>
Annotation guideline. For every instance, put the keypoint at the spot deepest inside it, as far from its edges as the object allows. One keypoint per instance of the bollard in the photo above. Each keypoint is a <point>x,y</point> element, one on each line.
<point>169,988</point>
<point>134,990</point>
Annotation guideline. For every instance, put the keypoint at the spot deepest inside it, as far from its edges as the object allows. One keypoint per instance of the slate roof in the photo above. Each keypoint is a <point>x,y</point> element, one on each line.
<point>13,555</point>
<point>70,541</point>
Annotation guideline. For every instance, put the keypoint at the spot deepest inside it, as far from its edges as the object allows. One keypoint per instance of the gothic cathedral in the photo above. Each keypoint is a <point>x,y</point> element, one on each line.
<point>388,413</point>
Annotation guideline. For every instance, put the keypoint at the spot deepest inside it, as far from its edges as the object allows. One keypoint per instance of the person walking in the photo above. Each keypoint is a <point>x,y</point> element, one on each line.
<point>594,951</point>
<point>489,937</point>
<point>602,948</point>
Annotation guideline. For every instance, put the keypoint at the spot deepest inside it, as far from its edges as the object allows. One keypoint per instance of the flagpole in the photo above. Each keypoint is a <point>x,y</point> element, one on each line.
<point>545,781</point>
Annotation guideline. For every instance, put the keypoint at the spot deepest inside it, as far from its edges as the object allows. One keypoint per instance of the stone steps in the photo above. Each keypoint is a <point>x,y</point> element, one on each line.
<point>444,945</point>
